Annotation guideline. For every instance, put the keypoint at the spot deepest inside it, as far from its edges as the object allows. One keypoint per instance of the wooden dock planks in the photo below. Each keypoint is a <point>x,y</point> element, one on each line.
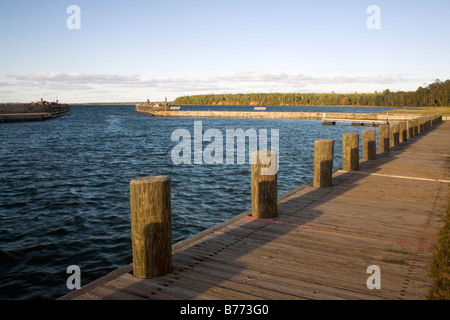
<point>321,243</point>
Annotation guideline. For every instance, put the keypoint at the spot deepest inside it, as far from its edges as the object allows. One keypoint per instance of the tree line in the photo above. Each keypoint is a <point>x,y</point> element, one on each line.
<point>436,94</point>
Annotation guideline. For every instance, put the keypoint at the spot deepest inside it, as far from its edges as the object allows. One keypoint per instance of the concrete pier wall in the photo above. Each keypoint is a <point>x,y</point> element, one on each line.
<point>18,112</point>
<point>276,115</point>
<point>33,108</point>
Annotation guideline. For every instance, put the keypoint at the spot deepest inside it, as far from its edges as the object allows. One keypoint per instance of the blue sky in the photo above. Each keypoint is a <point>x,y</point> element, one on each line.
<point>131,50</point>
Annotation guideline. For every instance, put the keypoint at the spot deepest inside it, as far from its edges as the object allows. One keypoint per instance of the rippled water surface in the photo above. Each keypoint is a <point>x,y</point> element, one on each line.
<point>64,188</point>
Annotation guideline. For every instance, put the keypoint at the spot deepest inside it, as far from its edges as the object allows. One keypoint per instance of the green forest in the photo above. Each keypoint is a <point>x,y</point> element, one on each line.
<point>436,94</point>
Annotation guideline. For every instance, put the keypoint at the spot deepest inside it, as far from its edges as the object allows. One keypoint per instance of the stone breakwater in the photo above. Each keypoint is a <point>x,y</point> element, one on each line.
<point>19,112</point>
<point>277,115</point>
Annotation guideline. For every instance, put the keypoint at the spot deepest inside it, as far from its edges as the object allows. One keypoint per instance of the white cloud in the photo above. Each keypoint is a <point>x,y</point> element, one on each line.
<point>131,86</point>
<point>255,76</point>
<point>249,76</point>
<point>79,78</point>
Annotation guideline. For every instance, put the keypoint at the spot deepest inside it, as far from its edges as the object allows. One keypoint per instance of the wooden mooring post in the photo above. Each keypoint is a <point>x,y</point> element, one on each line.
<point>350,151</point>
<point>416,127</point>
<point>151,226</point>
<point>369,144</point>
<point>264,168</point>
<point>409,129</point>
<point>383,138</point>
<point>395,135</point>
<point>403,137</point>
<point>421,125</point>
<point>323,162</point>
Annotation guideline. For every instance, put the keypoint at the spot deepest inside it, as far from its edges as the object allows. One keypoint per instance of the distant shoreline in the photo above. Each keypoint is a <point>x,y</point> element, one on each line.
<point>212,105</point>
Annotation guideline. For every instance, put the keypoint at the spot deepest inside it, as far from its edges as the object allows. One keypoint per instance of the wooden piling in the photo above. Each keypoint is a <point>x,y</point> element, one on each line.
<point>403,132</point>
<point>369,144</point>
<point>323,162</point>
<point>420,125</point>
<point>350,151</point>
<point>264,184</point>
<point>416,127</point>
<point>151,219</point>
<point>395,135</point>
<point>409,129</point>
<point>383,138</point>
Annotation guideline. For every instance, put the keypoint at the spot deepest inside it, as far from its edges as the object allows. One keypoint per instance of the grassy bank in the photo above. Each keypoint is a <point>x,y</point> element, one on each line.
<point>440,266</point>
<point>429,110</point>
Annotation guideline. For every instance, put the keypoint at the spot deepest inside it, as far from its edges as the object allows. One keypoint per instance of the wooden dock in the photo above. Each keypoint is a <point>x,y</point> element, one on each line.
<point>322,242</point>
<point>356,122</point>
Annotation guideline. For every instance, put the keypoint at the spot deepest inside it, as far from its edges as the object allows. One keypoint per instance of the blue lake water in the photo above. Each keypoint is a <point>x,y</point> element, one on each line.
<point>64,187</point>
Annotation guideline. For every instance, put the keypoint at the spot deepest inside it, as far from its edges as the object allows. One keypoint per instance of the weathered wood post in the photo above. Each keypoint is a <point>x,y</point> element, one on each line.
<point>151,230</point>
<point>403,132</point>
<point>420,125</point>
<point>383,138</point>
<point>395,135</point>
<point>264,168</point>
<point>409,129</point>
<point>369,144</point>
<point>350,151</point>
<point>323,162</point>
<point>416,127</point>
